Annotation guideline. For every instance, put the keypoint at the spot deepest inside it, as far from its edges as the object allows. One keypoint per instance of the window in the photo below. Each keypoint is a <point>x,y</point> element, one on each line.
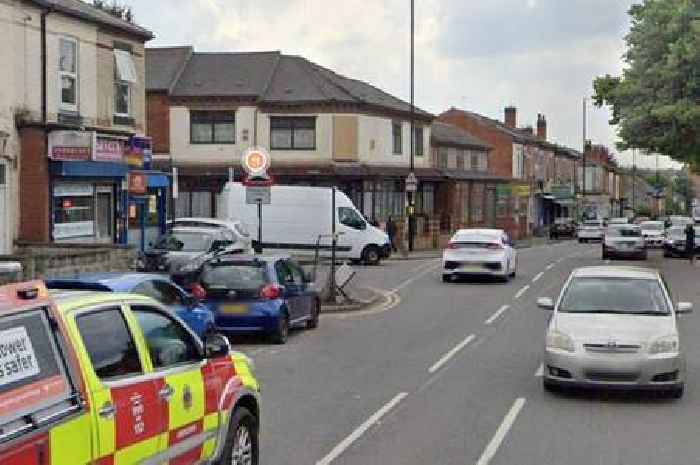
<point>68,73</point>
<point>109,344</point>
<point>418,141</point>
<point>244,277</point>
<point>168,342</point>
<point>285,275</point>
<point>212,127</point>
<point>3,174</point>
<point>163,292</point>
<point>442,157</point>
<point>292,133</point>
<point>124,77</point>
<point>518,162</point>
<point>122,98</point>
<point>396,137</point>
<point>350,218</point>
<point>460,160</point>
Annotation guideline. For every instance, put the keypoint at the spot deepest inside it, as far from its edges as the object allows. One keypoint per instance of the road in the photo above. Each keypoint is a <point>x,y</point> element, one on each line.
<point>449,374</point>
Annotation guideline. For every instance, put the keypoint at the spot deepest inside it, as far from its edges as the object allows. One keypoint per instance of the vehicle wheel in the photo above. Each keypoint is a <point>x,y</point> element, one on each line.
<point>446,278</point>
<point>371,255</point>
<point>677,392</point>
<point>241,446</point>
<point>549,386</point>
<point>515,269</point>
<point>315,313</point>
<point>281,334</point>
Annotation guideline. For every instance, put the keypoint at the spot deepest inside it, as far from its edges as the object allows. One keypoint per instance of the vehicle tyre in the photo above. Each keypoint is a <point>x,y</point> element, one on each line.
<point>371,255</point>
<point>667,254</point>
<point>242,446</point>
<point>605,254</point>
<point>549,386</point>
<point>281,334</point>
<point>677,392</point>
<point>210,330</point>
<point>315,314</point>
<point>446,278</point>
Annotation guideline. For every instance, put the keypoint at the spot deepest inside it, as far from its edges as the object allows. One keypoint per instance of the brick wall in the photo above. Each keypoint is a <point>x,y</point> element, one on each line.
<point>34,198</point>
<point>158,117</point>
<point>501,156</point>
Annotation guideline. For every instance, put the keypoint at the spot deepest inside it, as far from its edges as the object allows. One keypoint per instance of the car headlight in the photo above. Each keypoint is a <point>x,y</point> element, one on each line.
<point>560,341</point>
<point>664,345</point>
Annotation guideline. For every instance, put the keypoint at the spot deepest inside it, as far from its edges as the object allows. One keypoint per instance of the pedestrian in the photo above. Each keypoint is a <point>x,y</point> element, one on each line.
<point>391,232</point>
<point>690,242</point>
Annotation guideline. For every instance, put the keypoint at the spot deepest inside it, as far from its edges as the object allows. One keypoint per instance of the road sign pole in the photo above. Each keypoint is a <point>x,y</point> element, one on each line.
<point>260,247</point>
<point>334,243</point>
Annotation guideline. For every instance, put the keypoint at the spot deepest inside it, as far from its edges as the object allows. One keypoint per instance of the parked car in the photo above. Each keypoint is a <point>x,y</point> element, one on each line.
<point>259,294</point>
<point>674,245</point>
<point>677,220</point>
<point>624,241</point>
<point>235,230</point>
<point>197,315</point>
<point>563,227</point>
<point>653,233</point>
<point>591,230</point>
<point>101,377</point>
<point>474,252</point>
<point>614,327</point>
<point>181,245</point>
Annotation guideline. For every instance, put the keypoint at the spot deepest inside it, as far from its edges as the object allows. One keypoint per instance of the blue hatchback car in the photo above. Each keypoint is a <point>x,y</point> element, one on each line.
<point>196,315</point>
<point>259,294</point>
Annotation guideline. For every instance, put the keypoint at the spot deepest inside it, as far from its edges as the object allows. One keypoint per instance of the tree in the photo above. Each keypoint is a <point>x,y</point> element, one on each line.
<point>656,101</point>
<point>115,9</point>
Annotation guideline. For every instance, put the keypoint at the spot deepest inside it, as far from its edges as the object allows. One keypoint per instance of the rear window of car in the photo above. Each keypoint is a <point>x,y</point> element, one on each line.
<point>621,231</point>
<point>473,240</point>
<point>235,276</point>
<point>185,241</point>
<point>33,377</point>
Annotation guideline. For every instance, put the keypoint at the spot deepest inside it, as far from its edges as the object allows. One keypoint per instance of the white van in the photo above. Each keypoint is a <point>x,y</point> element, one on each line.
<point>298,215</point>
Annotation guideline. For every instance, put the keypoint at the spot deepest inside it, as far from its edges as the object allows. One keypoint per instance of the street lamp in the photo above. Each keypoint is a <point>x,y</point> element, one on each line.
<point>411,192</point>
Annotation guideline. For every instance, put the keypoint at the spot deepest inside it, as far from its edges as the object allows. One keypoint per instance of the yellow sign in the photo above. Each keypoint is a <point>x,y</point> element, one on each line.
<point>522,191</point>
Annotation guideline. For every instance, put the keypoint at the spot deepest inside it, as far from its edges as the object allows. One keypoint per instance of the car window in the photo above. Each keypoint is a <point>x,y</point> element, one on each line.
<point>624,231</point>
<point>235,276</point>
<point>350,218</point>
<point>170,295</point>
<point>184,241</point>
<point>241,229</point>
<point>109,344</point>
<point>169,343</point>
<point>284,273</point>
<point>614,295</point>
<point>149,289</point>
<point>297,273</point>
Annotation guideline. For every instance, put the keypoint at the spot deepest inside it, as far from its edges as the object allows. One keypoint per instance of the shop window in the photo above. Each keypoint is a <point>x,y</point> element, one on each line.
<point>74,216</point>
<point>68,73</point>
<point>212,127</point>
<point>292,133</point>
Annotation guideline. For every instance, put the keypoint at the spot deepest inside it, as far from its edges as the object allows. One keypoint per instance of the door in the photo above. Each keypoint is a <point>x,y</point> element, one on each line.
<point>124,399</point>
<point>137,223</point>
<point>178,358</point>
<point>4,211</point>
<point>104,215</point>
<point>293,291</point>
<point>354,232</point>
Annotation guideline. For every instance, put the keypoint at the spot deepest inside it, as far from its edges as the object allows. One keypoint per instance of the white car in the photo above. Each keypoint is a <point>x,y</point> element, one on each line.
<point>235,230</point>
<point>653,233</point>
<point>591,230</point>
<point>474,252</point>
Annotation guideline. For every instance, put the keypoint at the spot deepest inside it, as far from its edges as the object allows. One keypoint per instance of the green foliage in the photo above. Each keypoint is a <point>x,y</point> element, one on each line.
<point>656,101</point>
<point>115,8</point>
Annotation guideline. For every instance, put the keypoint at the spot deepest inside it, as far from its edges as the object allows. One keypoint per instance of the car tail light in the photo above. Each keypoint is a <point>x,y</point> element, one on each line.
<point>198,292</point>
<point>495,246</point>
<point>270,292</point>
<point>451,245</point>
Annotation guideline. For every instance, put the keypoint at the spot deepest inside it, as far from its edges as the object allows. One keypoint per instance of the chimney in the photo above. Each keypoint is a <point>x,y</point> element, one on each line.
<point>510,119</point>
<point>541,127</point>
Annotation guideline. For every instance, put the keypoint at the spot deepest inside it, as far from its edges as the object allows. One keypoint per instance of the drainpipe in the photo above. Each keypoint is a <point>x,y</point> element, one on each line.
<point>44,97</point>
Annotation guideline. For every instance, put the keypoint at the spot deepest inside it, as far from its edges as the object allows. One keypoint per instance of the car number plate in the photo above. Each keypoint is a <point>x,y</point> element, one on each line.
<point>237,309</point>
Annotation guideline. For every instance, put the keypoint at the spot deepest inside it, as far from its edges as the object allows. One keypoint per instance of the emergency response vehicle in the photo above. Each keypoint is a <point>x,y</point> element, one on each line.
<point>109,379</point>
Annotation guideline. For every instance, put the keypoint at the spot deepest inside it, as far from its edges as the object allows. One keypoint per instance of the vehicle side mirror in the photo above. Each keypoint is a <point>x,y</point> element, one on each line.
<point>684,307</point>
<point>216,345</point>
<point>191,301</point>
<point>545,303</point>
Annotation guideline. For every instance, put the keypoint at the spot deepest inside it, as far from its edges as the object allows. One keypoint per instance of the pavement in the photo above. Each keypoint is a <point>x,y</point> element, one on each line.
<point>450,374</point>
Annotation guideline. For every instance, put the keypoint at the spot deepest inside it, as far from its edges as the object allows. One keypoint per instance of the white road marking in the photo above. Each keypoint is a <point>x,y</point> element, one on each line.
<point>362,429</point>
<point>501,433</point>
<point>540,371</point>
<point>550,266</point>
<point>498,313</point>
<point>446,358</point>
<point>538,276</point>
<point>416,277</point>
<point>522,291</point>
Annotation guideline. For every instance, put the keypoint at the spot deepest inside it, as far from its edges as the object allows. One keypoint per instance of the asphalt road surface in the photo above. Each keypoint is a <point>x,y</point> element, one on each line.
<point>450,374</point>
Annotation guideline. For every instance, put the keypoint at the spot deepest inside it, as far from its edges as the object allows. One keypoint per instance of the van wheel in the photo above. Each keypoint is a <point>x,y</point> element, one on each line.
<point>371,255</point>
<point>281,334</point>
<point>312,323</point>
<point>242,447</point>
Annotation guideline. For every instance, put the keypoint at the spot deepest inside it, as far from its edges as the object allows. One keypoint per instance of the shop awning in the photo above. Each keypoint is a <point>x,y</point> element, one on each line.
<point>92,169</point>
<point>158,180</point>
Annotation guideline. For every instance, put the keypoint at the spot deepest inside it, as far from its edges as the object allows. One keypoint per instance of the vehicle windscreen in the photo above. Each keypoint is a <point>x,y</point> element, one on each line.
<point>184,241</point>
<point>614,295</point>
<point>242,277</point>
<point>652,226</point>
<point>592,224</point>
<point>618,231</point>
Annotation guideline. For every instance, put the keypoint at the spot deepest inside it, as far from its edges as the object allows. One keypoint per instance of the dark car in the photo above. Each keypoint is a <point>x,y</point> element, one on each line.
<point>563,227</point>
<point>197,316</point>
<point>674,245</point>
<point>259,294</point>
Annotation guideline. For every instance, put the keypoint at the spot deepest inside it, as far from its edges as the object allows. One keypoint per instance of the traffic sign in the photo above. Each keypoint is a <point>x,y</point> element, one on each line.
<point>411,182</point>
<point>256,162</point>
<point>258,195</point>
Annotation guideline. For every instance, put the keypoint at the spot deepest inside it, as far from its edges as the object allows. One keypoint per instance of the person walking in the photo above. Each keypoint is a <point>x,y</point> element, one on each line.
<point>391,232</point>
<point>690,243</point>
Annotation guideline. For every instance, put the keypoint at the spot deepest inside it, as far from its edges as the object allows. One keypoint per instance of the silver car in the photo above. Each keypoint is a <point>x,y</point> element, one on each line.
<point>624,241</point>
<point>614,327</point>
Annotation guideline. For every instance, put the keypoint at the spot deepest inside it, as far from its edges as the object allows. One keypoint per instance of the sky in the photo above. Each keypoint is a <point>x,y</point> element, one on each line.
<point>538,55</point>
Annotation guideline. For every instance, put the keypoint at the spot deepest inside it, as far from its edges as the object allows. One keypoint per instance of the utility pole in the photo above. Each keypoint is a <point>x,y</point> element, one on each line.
<point>583,157</point>
<point>411,195</point>
<point>634,182</point>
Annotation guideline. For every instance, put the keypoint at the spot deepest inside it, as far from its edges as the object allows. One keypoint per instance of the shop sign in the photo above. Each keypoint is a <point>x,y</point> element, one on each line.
<point>152,204</point>
<point>522,191</point>
<point>108,149</point>
<point>503,190</point>
<point>77,229</point>
<point>139,152</point>
<point>73,190</point>
<point>137,183</point>
<point>70,145</point>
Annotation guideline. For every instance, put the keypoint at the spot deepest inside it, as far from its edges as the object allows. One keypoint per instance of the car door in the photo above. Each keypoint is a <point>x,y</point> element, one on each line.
<point>177,358</point>
<point>293,292</point>
<point>124,396</point>
<point>306,300</point>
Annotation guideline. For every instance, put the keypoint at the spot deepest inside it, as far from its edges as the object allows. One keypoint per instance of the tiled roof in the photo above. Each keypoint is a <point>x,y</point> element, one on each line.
<point>83,10</point>
<point>164,65</point>
<point>448,134</point>
<point>515,133</point>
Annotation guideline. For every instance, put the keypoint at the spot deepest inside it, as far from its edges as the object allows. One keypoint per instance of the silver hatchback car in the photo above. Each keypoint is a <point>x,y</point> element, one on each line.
<point>614,327</point>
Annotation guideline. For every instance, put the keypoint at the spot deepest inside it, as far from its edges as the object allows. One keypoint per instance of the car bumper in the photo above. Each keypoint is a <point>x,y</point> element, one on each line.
<point>624,252</point>
<point>614,371</point>
<point>590,237</point>
<point>476,269</point>
<point>653,242</point>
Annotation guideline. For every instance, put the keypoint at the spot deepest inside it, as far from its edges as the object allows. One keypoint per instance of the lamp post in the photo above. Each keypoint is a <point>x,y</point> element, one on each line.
<point>411,194</point>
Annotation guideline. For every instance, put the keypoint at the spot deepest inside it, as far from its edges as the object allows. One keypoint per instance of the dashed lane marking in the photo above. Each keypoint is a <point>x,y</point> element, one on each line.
<point>501,433</point>
<point>538,276</point>
<point>522,291</point>
<point>446,358</point>
<point>498,313</point>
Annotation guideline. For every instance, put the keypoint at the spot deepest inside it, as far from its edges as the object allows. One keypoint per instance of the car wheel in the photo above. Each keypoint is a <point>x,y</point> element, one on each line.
<point>371,255</point>
<point>677,392</point>
<point>242,447</point>
<point>667,254</point>
<point>312,323</point>
<point>446,278</point>
<point>549,386</point>
<point>281,334</point>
